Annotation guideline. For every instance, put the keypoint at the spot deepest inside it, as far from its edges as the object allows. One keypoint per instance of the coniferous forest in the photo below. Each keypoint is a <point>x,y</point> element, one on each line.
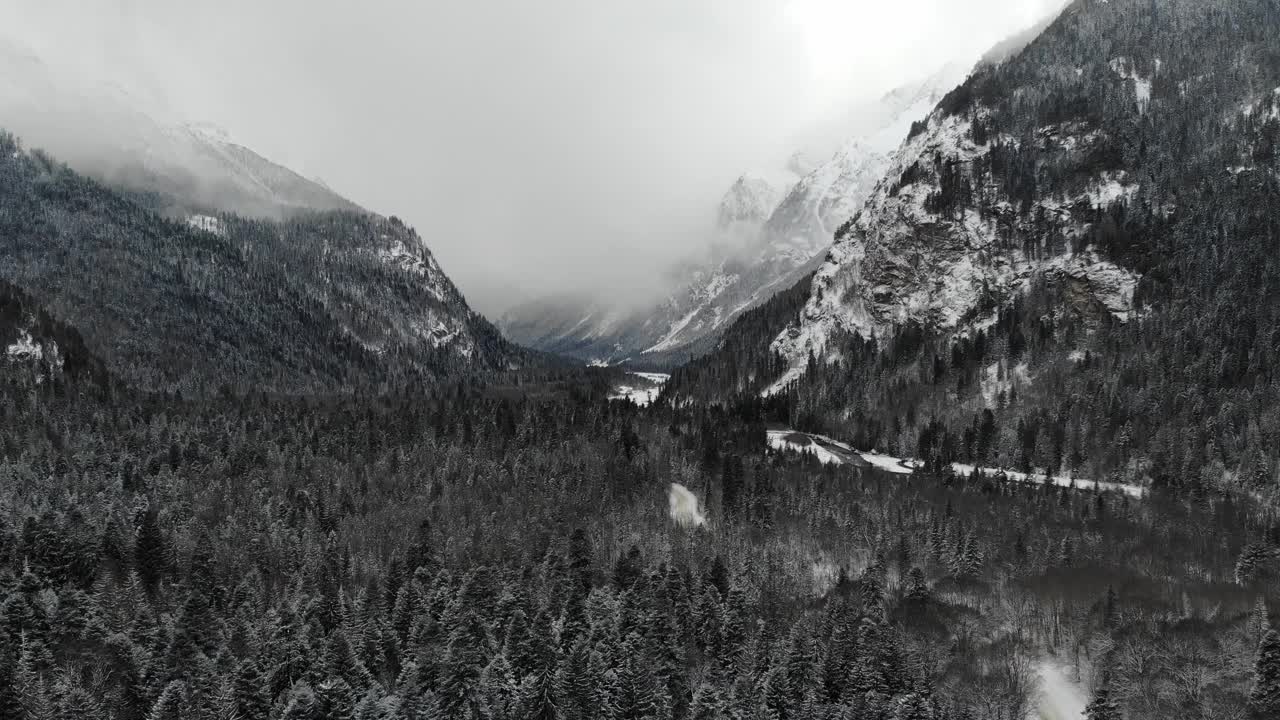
<point>501,548</point>
<point>279,470</point>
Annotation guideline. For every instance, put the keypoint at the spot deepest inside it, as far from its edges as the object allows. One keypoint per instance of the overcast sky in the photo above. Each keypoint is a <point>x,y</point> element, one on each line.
<point>537,145</point>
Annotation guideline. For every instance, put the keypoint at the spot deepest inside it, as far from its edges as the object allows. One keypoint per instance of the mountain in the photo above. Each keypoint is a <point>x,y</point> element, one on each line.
<point>121,138</point>
<point>1069,267</point>
<point>322,302</point>
<point>771,230</point>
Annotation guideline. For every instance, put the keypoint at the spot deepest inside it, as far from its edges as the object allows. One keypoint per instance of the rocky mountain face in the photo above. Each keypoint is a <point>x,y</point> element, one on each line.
<point>322,302</point>
<point>918,254</point>
<point>1069,266</point>
<point>116,136</point>
<point>772,228</point>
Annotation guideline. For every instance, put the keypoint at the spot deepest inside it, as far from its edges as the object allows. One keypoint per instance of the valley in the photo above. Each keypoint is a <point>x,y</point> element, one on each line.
<point>970,415</point>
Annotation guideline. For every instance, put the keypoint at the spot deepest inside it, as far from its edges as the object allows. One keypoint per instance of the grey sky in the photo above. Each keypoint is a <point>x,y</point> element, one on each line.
<point>537,145</point>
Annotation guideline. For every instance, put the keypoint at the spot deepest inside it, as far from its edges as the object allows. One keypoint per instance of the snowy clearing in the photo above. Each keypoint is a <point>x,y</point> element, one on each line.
<point>207,223</point>
<point>1060,698</point>
<point>641,393</point>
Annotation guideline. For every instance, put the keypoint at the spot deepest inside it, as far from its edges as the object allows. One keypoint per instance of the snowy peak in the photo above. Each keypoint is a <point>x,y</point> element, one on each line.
<point>748,203</point>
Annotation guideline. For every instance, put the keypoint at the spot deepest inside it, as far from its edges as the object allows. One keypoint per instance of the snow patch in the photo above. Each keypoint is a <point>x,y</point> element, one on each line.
<point>25,348</point>
<point>207,223</point>
<point>1141,85</point>
<point>1110,190</point>
<point>999,378</point>
<point>1136,491</point>
<point>684,508</point>
<point>1059,697</point>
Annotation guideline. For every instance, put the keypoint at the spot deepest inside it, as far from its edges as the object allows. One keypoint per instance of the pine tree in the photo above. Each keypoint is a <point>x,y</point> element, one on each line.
<point>708,703</point>
<point>460,669</point>
<point>10,693</point>
<point>917,587</point>
<point>150,557</point>
<point>421,554</point>
<point>914,706</point>
<point>335,700</point>
<point>538,699</point>
<point>1259,620</point>
<point>1264,700</point>
<point>1103,706</point>
<point>733,627</point>
<point>251,701</point>
<point>341,661</point>
<point>580,561</point>
<point>301,704</point>
<point>34,690</point>
<point>638,695</point>
<point>73,701</point>
<point>173,703</point>
<point>574,681</point>
<point>628,569</point>
<point>497,688</point>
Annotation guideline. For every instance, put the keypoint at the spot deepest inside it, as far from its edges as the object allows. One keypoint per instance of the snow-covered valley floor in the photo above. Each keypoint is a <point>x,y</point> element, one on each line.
<point>831,451</point>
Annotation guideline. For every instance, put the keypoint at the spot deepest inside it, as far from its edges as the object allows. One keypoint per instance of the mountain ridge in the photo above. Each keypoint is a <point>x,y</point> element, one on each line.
<point>322,302</point>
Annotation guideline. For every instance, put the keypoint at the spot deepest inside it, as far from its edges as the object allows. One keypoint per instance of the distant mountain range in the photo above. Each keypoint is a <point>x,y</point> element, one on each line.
<point>772,228</point>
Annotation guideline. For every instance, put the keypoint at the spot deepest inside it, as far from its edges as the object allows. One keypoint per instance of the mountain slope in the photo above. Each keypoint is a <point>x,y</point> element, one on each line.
<point>319,303</point>
<point>772,229</point>
<point>1070,268</point>
<point>118,137</point>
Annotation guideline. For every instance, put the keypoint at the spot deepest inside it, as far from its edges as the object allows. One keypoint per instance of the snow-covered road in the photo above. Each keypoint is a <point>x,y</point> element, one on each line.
<point>831,451</point>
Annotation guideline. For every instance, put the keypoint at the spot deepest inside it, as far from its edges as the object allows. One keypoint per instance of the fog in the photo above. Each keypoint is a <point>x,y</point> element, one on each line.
<point>550,146</point>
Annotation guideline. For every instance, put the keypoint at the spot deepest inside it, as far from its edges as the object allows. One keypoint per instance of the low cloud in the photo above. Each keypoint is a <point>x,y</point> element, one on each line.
<point>557,146</point>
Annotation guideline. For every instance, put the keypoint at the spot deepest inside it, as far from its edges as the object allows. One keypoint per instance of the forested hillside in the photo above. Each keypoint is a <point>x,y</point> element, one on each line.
<point>323,302</point>
<point>913,338</point>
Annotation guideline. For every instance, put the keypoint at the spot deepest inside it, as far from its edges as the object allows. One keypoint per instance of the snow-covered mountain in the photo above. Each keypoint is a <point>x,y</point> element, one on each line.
<point>772,228</point>
<point>121,137</point>
<point>263,292</point>
<point>909,256</point>
<point>320,302</point>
